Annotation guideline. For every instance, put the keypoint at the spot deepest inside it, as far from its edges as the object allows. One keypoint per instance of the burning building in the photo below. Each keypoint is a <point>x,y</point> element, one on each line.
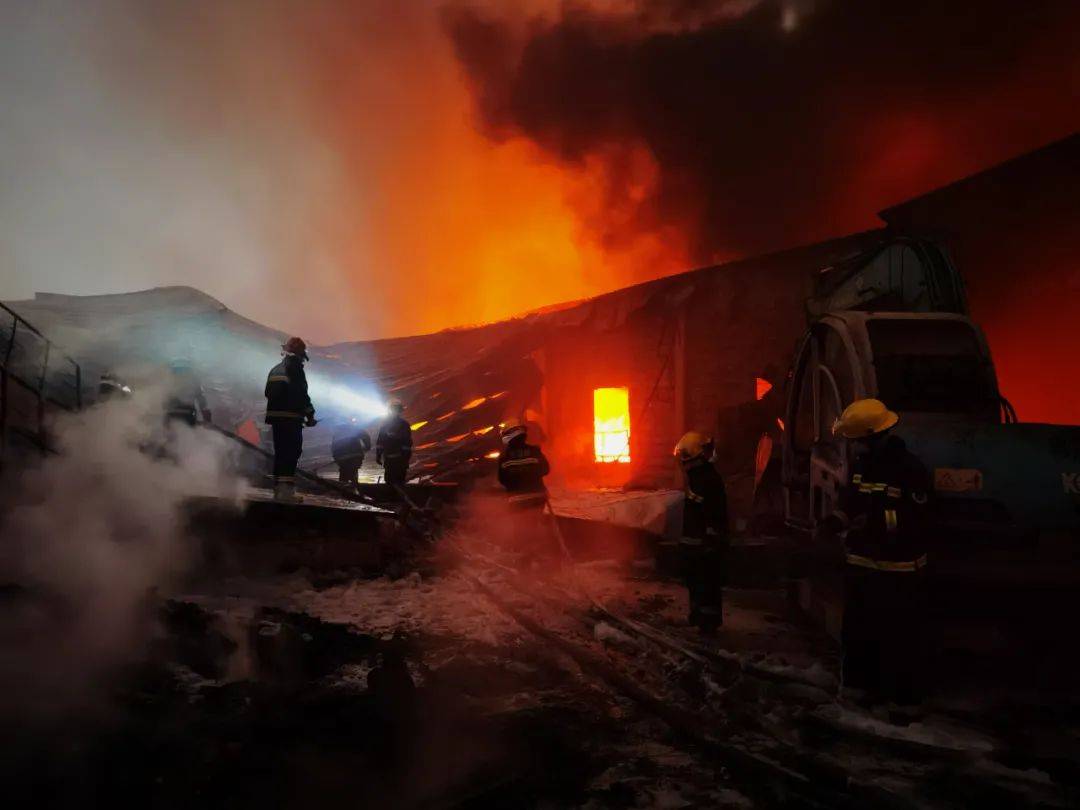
<point>609,383</point>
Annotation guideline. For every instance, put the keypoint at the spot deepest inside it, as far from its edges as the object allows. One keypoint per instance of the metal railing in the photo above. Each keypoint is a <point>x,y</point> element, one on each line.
<point>35,378</point>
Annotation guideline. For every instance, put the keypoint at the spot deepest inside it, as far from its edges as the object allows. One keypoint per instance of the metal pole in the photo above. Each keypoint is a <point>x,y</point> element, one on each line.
<point>11,342</point>
<point>3,409</point>
<point>45,366</point>
<point>43,439</point>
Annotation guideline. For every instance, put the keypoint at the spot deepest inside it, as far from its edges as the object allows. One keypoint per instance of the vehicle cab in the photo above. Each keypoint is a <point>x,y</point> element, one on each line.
<point>932,368</point>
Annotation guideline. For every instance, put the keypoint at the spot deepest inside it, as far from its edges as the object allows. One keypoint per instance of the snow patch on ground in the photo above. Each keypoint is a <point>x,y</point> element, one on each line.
<point>443,605</point>
<point>814,675</point>
<point>937,735</point>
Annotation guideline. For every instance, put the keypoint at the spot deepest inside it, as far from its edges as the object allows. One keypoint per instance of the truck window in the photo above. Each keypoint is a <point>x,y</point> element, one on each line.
<point>932,366</point>
<point>896,280</point>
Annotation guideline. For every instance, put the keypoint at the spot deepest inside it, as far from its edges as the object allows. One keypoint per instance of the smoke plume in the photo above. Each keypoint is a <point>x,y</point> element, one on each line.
<point>772,122</point>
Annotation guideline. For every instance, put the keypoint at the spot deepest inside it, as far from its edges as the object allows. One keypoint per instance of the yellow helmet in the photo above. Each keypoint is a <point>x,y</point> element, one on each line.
<point>864,417</point>
<point>693,445</point>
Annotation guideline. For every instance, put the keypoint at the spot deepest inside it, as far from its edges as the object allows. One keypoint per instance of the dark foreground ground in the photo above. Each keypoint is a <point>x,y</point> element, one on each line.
<point>476,680</point>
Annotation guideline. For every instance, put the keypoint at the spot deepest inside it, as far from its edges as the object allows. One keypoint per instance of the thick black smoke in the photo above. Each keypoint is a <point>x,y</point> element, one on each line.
<point>779,122</point>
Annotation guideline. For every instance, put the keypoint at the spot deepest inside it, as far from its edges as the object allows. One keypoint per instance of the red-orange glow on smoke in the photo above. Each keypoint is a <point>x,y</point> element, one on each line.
<point>451,227</point>
<point>469,162</point>
<point>487,231</point>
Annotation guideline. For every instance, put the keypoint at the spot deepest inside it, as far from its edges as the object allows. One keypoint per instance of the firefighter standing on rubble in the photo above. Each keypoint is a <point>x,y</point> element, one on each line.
<point>522,468</point>
<point>704,542</point>
<point>882,511</point>
<point>393,447</point>
<point>348,447</point>
<point>288,412</point>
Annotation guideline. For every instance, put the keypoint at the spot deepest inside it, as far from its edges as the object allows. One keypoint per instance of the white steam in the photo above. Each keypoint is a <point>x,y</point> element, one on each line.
<point>91,535</point>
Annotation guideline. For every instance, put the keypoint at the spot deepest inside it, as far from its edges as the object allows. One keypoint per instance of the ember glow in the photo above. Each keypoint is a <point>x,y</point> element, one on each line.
<point>611,425</point>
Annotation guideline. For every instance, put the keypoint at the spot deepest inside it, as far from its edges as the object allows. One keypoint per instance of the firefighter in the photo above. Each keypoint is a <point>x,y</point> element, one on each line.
<point>393,447</point>
<point>522,468</point>
<point>882,512</point>
<point>704,542</point>
<point>349,445</point>
<point>185,400</point>
<point>288,412</point>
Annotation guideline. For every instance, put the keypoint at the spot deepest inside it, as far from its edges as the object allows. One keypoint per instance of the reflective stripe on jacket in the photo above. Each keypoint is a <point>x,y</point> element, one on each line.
<point>883,508</point>
<point>522,468</point>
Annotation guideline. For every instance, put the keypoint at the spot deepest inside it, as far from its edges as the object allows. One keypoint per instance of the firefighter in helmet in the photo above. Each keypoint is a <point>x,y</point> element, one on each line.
<point>393,447</point>
<point>288,412</point>
<point>348,447</point>
<point>881,513</point>
<point>704,543</point>
<point>522,468</point>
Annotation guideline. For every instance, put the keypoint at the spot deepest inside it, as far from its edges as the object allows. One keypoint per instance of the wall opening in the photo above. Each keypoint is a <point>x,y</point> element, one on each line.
<point>611,425</point>
<point>761,388</point>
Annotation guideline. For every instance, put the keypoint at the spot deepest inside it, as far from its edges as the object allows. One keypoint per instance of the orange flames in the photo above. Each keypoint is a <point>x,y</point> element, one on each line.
<point>442,224</point>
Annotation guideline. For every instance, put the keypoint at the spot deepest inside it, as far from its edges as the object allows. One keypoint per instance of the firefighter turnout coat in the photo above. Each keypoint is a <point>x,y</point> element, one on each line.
<point>522,468</point>
<point>349,446</point>
<point>395,440</point>
<point>884,508</point>
<point>287,392</point>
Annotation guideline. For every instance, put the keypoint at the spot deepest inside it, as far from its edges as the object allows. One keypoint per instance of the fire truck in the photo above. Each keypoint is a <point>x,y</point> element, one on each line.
<point>894,325</point>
